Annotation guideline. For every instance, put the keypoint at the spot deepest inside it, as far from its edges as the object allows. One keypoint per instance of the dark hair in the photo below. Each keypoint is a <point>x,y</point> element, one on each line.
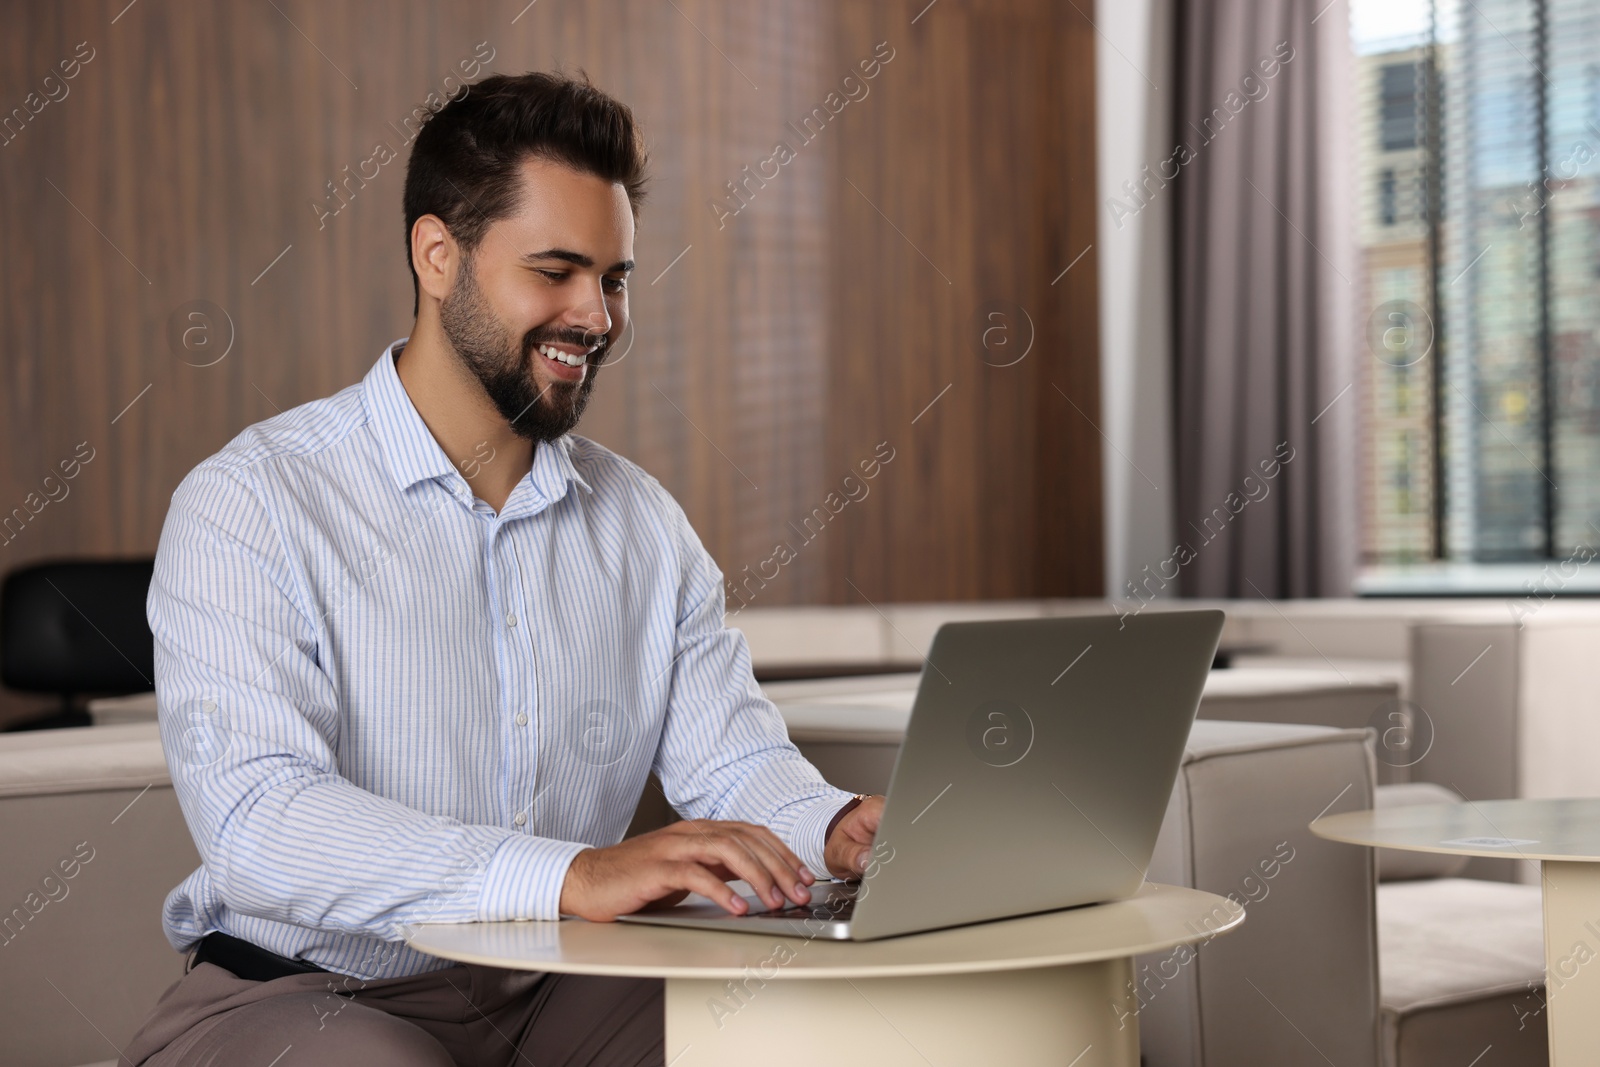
<point>463,166</point>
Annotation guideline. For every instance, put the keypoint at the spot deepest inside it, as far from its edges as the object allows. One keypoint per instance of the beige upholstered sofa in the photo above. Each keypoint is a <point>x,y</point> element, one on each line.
<point>1406,973</point>
<point>1236,825</point>
<point>1514,703</point>
<point>1507,691</point>
<point>1501,689</point>
<point>82,970</point>
<point>1462,961</point>
<point>94,840</point>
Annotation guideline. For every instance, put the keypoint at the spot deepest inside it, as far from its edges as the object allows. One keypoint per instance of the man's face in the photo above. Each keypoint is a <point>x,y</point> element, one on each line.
<point>546,285</point>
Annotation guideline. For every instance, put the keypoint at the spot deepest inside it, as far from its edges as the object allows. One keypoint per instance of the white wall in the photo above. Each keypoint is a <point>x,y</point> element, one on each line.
<point>1133,70</point>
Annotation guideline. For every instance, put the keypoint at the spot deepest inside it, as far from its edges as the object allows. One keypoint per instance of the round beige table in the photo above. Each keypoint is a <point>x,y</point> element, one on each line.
<point>1052,989</point>
<point>1564,836</point>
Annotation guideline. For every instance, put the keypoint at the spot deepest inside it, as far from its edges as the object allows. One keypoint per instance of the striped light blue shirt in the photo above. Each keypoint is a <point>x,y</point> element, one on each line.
<point>382,703</point>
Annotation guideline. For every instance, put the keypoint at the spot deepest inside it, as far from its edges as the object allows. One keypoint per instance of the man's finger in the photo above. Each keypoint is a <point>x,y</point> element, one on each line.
<point>780,868</point>
<point>732,851</point>
<point>688,874</point>
<point>790,876</point>
<point>771,842</point>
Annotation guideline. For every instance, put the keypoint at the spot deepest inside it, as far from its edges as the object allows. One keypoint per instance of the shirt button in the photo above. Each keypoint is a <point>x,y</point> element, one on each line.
<point>511,618</point>
<point>521,819</point>
<point>522,718</point>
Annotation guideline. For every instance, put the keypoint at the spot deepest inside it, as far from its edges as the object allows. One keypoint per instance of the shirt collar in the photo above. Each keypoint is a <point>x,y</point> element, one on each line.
<point>553,470</point>
<point>412,453</point>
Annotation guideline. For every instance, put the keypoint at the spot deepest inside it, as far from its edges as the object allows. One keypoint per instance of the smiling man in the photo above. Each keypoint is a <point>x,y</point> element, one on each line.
<point>418,648</point>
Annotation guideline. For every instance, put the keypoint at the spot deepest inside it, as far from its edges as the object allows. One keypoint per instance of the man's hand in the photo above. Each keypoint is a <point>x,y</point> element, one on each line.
<point>849,849</point>
<point>662,867</point>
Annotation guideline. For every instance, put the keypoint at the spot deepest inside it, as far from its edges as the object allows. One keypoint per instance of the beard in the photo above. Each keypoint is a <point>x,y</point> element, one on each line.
<point>504,367</point>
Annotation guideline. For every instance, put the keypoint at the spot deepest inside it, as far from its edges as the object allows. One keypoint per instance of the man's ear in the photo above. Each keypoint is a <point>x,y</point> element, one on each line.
<point>434,256</point>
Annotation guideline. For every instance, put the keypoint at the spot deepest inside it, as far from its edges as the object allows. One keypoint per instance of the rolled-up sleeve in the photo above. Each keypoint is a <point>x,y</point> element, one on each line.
<point>250,724</point>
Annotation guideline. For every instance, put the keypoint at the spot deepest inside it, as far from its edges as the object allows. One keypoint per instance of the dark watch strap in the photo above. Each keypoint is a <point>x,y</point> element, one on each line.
<point>852,805</point>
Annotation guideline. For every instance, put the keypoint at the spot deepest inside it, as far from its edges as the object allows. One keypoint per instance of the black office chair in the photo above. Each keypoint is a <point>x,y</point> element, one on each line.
<point>76,628</point>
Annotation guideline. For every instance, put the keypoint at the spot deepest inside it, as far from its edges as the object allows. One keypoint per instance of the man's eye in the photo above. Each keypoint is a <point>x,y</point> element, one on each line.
<point>554,275</point>
<point>616,285</point>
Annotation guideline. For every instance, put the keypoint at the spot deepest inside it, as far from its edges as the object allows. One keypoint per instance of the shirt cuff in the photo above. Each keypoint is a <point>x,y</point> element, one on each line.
<point>524,879</point>
<point>805,833</point>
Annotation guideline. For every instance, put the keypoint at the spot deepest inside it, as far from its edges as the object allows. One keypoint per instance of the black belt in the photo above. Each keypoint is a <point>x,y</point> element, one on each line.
<point>248,961</point>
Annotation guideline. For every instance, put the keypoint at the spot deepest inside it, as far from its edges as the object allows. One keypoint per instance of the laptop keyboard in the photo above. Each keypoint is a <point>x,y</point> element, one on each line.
<point>838,904</point>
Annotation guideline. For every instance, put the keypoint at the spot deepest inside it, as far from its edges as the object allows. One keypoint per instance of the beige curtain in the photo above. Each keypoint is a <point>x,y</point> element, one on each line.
<point>1265,392</point>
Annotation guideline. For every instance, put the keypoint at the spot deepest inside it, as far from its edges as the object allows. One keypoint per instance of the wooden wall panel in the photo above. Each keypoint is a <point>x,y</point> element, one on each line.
<point>185,160</point>
<point>975,171</point>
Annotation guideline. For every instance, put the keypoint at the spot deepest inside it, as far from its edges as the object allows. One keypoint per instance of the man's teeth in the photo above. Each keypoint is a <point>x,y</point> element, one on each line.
<point>563,357</point>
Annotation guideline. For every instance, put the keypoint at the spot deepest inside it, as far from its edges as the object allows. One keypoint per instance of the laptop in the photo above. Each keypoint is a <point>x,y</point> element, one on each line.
<point>1034,775</point>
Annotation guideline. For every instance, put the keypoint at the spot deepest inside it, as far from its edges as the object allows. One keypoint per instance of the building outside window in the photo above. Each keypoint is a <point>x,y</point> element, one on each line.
<point>1478,178</point>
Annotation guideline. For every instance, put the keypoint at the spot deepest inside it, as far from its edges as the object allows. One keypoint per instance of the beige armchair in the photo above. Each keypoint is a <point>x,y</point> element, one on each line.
<point>1461,960</point>
<point>94,841</point>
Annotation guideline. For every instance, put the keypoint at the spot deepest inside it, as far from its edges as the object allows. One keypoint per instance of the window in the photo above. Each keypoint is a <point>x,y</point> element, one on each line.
<point>1479,158</point>
<point>1397,106</point>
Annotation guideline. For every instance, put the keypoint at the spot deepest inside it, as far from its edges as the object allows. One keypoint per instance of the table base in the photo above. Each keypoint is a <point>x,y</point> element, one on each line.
<point>1572,960</point>
<point>1056,1016</point>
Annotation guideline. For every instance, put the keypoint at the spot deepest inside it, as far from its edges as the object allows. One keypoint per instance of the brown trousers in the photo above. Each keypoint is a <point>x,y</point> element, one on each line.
<point>461,1016</point>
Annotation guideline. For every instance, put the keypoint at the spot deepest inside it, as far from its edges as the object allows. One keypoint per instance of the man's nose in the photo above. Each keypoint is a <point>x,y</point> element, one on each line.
<point>591,317</point>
